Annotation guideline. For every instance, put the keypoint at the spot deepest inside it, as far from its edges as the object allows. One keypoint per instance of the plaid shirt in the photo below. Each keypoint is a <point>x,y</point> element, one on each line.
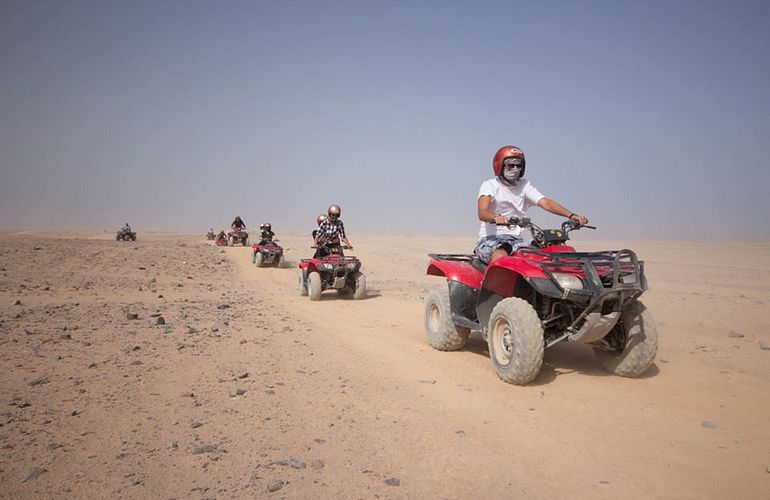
<point>331,231</point>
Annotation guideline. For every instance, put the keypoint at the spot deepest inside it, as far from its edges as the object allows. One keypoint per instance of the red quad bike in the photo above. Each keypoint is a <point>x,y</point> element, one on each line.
<point>332,271</point>
<point>269,254</point>
<point>124,235</point>
<point>542,295</point>
<point>238,236</point>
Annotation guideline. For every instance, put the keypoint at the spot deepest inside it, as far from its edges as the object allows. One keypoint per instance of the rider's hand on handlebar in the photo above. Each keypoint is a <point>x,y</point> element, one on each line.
<point>581,219</point>
<point>501,220</point>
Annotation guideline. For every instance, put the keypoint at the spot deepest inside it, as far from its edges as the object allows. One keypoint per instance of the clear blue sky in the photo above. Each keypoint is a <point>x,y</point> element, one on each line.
<point>649,117</point>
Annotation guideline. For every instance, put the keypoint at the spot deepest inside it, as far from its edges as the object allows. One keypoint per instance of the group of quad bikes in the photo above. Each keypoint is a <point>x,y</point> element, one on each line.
<point>537,297</point>
<point>328,269</point>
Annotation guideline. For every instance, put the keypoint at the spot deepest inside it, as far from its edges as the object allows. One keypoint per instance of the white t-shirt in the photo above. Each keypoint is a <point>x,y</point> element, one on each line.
<point>510,201</point>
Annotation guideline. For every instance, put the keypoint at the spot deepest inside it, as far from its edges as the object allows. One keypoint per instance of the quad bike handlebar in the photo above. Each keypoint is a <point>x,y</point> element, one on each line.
<point>344,247</point>
<point>538,234</point>
<point>526,223</point>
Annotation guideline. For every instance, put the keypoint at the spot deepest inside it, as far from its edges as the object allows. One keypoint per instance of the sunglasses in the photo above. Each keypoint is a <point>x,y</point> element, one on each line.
<point>334,216</point>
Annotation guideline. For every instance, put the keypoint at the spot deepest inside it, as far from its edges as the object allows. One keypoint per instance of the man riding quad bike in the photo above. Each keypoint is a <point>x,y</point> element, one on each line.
<point>540,296</point>
<point>211,234</point>
<point>526,299</point>
<point>221,239</point>
<point>267,252</point>
<point>331,269</point>
<point>125,234</point>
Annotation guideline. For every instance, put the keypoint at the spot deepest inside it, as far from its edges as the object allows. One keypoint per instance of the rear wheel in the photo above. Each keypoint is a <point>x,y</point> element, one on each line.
<point>314,286</point>
<point>442,334</point>
<point>635,338</point>
<point>301,284</point>
<point>515,339</point>
<point>259,259</point>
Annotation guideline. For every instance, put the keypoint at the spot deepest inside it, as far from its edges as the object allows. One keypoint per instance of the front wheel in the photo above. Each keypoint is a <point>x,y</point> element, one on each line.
<point>629,349</point>
<point>314,286</point>
<point>515,339</point>
<point>360,280</point>
<point>259,259</point>
<point>301,284</point>
<point>281,261</point>
<point>442,334</point>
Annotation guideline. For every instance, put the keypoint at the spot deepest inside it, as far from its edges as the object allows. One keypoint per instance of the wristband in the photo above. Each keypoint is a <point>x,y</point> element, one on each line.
<point>571,215</point>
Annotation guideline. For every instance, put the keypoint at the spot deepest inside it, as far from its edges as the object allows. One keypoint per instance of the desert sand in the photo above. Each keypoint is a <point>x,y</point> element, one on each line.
<point>172,368</point>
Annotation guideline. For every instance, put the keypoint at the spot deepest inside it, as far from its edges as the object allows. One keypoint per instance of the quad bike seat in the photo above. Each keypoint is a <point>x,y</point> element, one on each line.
<point>478,264</point>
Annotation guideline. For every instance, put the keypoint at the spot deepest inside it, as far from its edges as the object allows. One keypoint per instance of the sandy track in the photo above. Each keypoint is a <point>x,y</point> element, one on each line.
<point>345,398</point>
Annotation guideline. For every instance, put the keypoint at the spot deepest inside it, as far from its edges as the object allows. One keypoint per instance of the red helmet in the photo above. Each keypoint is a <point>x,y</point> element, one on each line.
<point>508,152</point>
<point>320,219</point>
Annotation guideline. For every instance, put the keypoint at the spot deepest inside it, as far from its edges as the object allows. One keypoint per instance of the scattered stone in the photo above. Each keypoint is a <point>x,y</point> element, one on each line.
<point>765,346</point>
<point>196,424</point>
<point>17,302</point>
<point>188,395</point>
<point>206,448</point>
<point>137,363</point>
<point>243,375</point>
<point>75,413</point>
<point>276,485</point>
<point>42,379</point>
<point>460,433</point>
<point>160,320</point>
<point>294,464</point>
<point>54,446</point>
<point>735,335</point>
<point>426,382</point>
<point>320,441</point>
<point>35,473</point>
<point>132,316</point>
<point>239,392</point>
<point>223,306</point>
<point>393,481</point>
<point>191,329</point>
<point>708,424</point>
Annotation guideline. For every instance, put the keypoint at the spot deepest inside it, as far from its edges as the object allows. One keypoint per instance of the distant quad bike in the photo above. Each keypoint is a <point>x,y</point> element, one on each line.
<point>267,254</point>
<point>238,236</point>
<point>125,235</point>
<point>332,271</point>
<point>542,295</point>
<point>211,235</point>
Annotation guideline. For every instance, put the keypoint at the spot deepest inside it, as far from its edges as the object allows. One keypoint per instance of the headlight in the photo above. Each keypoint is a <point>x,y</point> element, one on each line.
<point>328,267</point>
<point>568,281</point>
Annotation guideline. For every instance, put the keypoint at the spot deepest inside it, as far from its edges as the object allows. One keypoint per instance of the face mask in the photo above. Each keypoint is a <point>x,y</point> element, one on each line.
<point>512,173</point>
